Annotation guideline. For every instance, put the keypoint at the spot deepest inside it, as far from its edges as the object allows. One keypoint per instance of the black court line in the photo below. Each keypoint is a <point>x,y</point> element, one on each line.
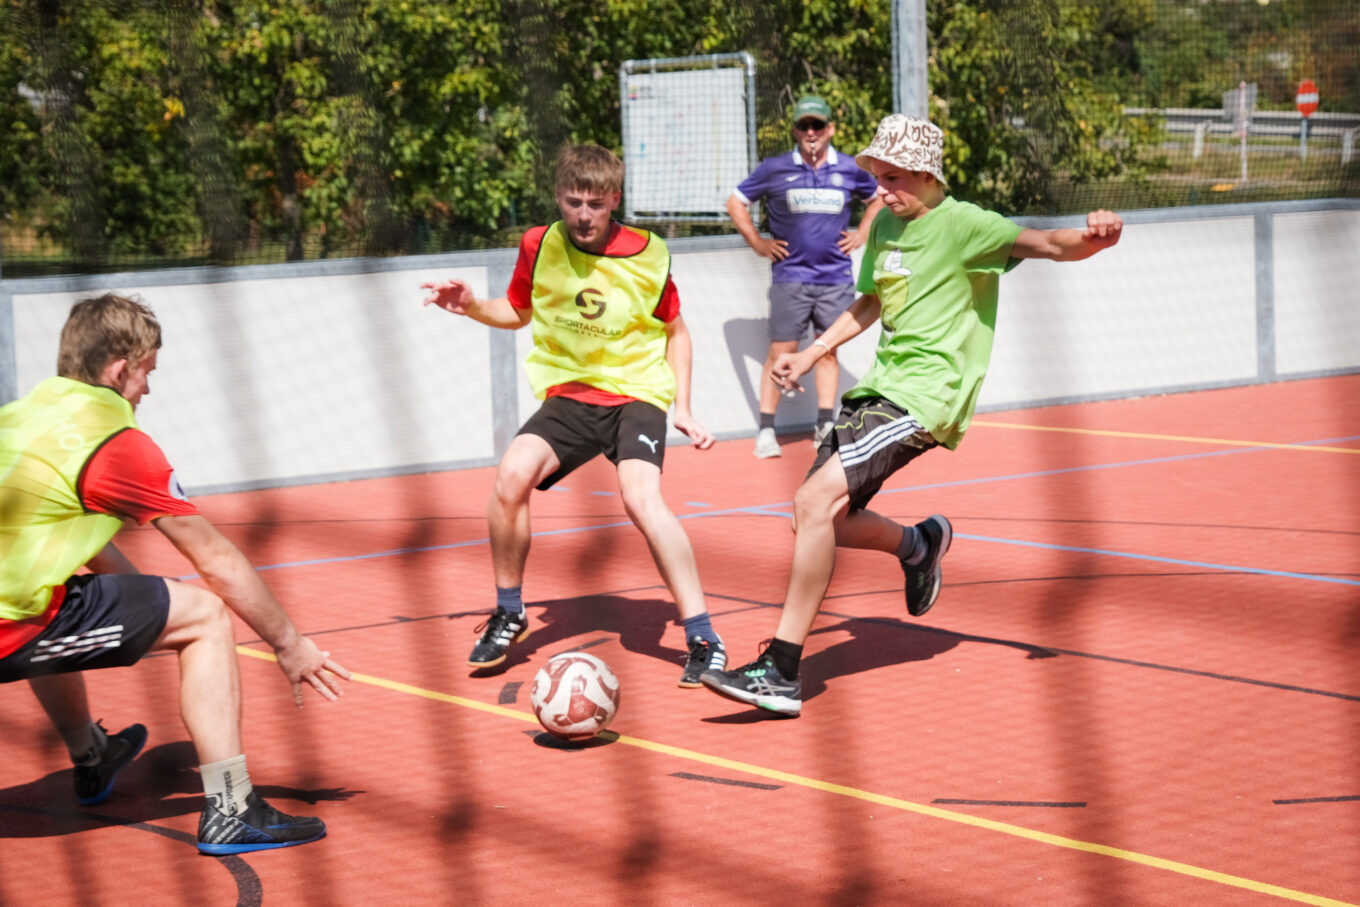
<point>1058,805</point>
<point>509,693</point>
<point>689,776</point>
<point>1346,799</point>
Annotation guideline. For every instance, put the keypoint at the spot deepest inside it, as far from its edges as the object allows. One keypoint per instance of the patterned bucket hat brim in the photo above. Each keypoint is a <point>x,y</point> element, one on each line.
<point>910,143</point>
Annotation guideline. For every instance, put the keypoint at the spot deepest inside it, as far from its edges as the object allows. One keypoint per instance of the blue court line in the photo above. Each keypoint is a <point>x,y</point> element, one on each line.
<point>771,510</point>
<point>1227,568</point>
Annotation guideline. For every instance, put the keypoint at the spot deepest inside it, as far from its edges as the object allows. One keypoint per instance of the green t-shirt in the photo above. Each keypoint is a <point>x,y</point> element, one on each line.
<point>937,278</point>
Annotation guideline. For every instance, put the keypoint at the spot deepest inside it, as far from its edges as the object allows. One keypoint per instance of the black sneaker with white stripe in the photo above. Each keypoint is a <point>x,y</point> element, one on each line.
<point>759,684</point>
<point>703,656</point>
<point>923,578</point>
<point>502,628</point>
<point>260,827</point>
<point>94,783</point>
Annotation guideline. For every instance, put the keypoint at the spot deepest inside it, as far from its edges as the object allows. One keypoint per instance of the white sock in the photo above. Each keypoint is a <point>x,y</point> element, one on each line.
<point>227,784</point>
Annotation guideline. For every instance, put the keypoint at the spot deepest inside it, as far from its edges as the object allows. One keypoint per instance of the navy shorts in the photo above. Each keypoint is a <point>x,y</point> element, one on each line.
<point>875,439</point>
<point>578,432</point>
<point>794,305</point>
<point>107,620</point>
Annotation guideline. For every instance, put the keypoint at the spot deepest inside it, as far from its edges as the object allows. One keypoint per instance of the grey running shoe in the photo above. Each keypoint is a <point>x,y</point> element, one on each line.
<point>502,628</point>
<point>820,433</point>
<point>923,578</point>
<point>703,656</point>
<point>260,827</point>
<point>767,445</point>
<point>94,783</point>
<point>760,684</point>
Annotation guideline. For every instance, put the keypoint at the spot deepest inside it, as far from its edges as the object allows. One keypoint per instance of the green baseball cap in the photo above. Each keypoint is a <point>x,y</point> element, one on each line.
<point>811,106</point>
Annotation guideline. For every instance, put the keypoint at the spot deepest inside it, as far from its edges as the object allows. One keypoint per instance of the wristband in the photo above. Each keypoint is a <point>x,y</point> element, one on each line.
<point>822,343</point>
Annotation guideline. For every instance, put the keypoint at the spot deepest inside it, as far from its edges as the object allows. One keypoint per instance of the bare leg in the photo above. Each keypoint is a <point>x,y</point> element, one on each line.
<point>199,628</point>
<point>63,698</point>
<point>826,375</point>
<point>819,508</point>
<point>769,391</point>
<point>527,462</point>
<point>640,486</point>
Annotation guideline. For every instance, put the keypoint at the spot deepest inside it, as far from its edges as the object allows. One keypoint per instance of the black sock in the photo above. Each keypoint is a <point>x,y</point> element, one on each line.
<point>824,416</point>
<point>785,656</point>
<point>767,420</point>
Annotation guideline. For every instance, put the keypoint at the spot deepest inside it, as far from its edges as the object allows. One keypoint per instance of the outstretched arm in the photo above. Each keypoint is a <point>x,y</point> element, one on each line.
<point>1103,229</point>
<point>456,296</point>
<point>679,353</point>
<point>227,572</point>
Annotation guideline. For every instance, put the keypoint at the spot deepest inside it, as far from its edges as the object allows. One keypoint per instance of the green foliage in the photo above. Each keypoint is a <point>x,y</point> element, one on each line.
<point>216,130</point>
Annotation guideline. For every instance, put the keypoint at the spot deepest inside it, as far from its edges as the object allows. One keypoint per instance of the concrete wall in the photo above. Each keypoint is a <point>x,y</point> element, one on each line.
<point>275,375</point>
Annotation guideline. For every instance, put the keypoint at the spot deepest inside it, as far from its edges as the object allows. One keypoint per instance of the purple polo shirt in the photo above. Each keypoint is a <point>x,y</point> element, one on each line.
<point>809,209</point>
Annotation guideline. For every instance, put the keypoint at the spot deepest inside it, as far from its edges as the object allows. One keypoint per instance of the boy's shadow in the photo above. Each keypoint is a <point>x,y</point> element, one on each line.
<point>154,786</point>
<point>874,642</point>
<point>639,625</point>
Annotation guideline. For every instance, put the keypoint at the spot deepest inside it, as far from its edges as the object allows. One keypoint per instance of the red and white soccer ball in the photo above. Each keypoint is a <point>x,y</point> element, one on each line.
<point>575,696</point>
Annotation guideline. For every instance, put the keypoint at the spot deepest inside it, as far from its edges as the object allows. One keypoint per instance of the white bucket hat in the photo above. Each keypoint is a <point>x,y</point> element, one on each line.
<point>910,143</point>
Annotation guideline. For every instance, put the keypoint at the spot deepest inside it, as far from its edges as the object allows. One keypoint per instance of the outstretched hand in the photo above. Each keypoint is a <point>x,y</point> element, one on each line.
<point>452,295</point>
<point>303,662</point>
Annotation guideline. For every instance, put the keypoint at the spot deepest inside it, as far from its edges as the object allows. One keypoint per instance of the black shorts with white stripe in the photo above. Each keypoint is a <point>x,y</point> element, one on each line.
<point>105,621</point>
<point>875,438</point>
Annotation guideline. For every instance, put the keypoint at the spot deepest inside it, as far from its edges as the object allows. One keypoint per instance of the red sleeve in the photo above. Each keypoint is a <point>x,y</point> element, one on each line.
<point>669,306</point>
<point>521,289</point>
<point>129,477</point>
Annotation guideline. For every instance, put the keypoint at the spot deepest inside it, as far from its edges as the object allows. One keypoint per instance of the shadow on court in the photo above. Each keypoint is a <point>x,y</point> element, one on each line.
<point>159,784</point>
<point>639,624</point>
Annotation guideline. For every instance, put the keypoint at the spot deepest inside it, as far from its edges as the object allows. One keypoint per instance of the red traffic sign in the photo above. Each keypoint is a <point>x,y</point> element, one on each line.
<point>1307,98</point>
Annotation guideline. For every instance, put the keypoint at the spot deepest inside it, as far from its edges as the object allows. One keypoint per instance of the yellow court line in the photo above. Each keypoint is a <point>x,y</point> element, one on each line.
<point>841,790</point>
<point>1188,439</point>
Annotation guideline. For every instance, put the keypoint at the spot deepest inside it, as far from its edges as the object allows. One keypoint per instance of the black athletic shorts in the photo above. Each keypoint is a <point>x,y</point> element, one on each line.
<point>578,432</point>
<point>106,621</point>
<point>875,439</point>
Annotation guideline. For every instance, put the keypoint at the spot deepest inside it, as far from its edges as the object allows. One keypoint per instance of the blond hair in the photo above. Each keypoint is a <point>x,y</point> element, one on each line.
<point>589,168</point>
<point>104,329</point>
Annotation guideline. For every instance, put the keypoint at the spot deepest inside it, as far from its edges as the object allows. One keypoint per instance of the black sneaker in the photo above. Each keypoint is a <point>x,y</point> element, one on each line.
<point>923,578</point>
<point>703,656</point>
<point>502,628</point>
<point>94,783</point>
<point>760,684</point>
<point>260,827</point>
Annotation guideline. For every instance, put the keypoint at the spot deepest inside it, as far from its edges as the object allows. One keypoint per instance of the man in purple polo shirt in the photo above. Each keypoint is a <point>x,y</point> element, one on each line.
<point>808,194</point>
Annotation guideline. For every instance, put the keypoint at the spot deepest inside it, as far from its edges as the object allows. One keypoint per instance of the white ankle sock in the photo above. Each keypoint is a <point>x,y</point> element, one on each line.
<point>227,784</point>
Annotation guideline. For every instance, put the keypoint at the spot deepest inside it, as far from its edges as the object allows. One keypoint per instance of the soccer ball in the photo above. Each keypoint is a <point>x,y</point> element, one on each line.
<point>575,696</point>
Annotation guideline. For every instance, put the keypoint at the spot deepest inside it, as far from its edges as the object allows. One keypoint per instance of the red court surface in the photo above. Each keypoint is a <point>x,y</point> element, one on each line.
<point>1139,686</point>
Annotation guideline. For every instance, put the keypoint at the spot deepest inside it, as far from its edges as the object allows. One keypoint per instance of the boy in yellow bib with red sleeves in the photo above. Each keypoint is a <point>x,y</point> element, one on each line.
<point>611,355</point>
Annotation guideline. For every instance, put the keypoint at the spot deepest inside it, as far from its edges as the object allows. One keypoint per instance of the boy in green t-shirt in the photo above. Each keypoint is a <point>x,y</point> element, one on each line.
<point>930,273</point>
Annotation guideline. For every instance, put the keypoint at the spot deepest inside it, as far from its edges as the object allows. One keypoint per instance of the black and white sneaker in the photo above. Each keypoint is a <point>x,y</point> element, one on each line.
<point>703,656</point>
<point>94,783</point>
<point>923,578</point>
<point>260,827</point>
<point>759,684</point>
<point>502,628</point>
